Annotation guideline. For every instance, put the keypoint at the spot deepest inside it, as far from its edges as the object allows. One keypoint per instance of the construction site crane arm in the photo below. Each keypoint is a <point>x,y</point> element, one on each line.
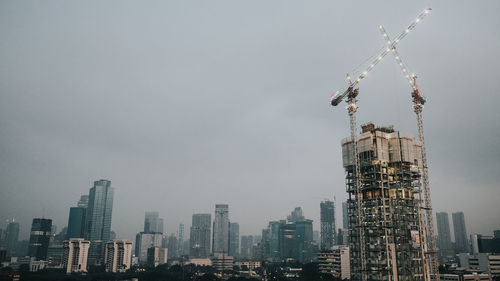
<point>336,99</point>
<point>412,78</point>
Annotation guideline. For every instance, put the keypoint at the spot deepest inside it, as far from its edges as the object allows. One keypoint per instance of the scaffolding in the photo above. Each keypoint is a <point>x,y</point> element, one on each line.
<point>389,205</point>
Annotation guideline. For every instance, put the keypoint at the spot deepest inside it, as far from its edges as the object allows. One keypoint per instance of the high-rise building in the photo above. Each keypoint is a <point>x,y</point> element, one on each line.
<point>296,215</point>
<point>327,219</point>
<point>40,238</point>
<point>246,246</point>
<point>303,240</point>
<point>11,236</point>
<point>75,255</point>
<point>388,246</point>
<point>118,255</point>
<point>173,247</point>
<point>345,216</point>
<point>461,244</point>
<point>83,202</point>
<point>234,239</point>
<point>180,241</point>
<point>221,229</point>
<point>157,256</point>
<point>98,219</point>
<point>444,235</point>
<point>274,239</point>
<point>151,222</point>
<point>76,222</point>
<point>144,241</point>
<point>287,241</point>
<point>199,236</point>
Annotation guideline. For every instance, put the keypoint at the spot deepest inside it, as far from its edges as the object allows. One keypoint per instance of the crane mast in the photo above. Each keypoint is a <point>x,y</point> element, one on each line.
<point>431,263</point>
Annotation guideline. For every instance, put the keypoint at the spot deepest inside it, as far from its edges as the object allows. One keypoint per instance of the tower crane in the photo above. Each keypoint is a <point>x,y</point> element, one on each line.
<point>352,108</point>
<point>418,105</point>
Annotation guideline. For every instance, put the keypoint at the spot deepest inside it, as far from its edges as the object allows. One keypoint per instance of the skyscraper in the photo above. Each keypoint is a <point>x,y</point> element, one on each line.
<point>11,237</point>
<point>304,240</point>
<point>199,236</point>
<point>98,219</point>
<point>246,247</point>
<point>40,238</point>
<point>83,202</point>
<point>461,244</point>
<point>274,239</point>
<point>221,229</point>
<point>180,241</point>
<point>444,235</point>
<point>144,241</point>
<point>388,247</point>
<point>76,222</point>
<point>151,222</point>
<point>234,239</point>
<point>327,219</point>
<point>296,215</point>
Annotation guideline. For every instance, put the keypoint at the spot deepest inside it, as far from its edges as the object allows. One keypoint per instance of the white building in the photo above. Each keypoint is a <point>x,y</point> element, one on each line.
<point>118,255</point>
<point>157,256</point>
<point>335,262</point>
<point>474,276</point>
<point>75,255</point>
<point>144,241</point>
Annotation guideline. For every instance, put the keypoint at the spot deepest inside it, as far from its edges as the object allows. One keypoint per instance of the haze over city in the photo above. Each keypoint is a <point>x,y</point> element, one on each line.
<point>184,105</point>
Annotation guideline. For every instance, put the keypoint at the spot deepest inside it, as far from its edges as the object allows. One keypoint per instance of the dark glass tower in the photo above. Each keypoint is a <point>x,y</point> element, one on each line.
<point>39,238</point>
<point>76,222</point>
<point>98,219</point>
<point>327,218</point>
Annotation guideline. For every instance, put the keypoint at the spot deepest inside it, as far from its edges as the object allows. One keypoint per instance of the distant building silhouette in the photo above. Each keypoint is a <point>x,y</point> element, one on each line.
<point>327,220</point>
<point>461,243</point>
<point>221,229</point>
<point>444,235</point>
<point>199,236</point>
<point>234,239</point>
<point>11,237</point>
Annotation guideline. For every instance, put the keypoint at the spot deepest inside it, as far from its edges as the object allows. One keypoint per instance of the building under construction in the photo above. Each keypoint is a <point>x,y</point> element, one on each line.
<point>385,226</point>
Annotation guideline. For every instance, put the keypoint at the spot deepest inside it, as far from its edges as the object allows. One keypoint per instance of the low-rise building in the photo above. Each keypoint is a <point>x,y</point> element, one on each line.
<point>221,261</point>
<point>335,262</point>
<point>249,264</point>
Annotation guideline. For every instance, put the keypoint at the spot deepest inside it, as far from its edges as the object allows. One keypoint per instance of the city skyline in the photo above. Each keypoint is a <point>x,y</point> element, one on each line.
<point>185,112</point>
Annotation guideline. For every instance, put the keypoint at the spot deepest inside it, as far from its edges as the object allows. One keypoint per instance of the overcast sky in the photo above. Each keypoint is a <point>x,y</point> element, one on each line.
<point>185,104</point>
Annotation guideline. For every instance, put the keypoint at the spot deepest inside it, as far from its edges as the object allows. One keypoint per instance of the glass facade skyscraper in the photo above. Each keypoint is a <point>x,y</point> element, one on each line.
<point>39,238</point>
<point>98,219</point>
<point>234,239</point>
<point>76,222</point>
